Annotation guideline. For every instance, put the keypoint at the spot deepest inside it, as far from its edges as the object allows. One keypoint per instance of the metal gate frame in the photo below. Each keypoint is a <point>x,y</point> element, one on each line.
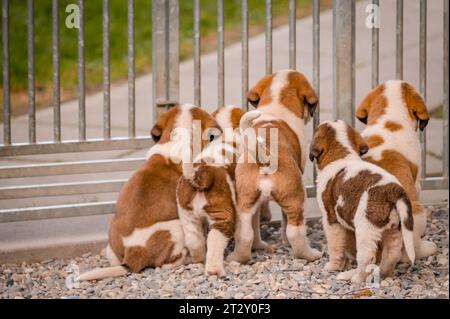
<point>165,60</point>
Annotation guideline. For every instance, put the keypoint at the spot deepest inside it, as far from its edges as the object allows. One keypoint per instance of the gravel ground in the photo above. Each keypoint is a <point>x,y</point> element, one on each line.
<point>275,275</point>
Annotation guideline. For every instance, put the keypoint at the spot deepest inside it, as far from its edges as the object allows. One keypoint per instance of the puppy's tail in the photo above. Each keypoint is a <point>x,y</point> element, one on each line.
<point>247,120</point>
<point>102,273</point>
<point>202,177</point>
<point>404,210</point>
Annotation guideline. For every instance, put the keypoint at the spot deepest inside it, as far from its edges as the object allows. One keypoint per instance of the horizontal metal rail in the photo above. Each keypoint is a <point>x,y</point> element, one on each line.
<point>61,189</point>
<point>57,211</point>
<point>71,168</point>
<point>92,145</point>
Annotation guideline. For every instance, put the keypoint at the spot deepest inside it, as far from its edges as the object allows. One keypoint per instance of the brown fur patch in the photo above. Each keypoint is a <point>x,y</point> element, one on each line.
<point>211,181</point>
<point>260,93</point>
<point>417,109</point>
<point>236,115</point>
<point>164,125</point>
<point>351,191</point>
<point>399,166</point>
<point>325,147</point>
<point>393,126</point>
<point>359,145</point>
<point>288,189</point>
<point>374,141</point>
<point>157,252</point>
<point>382,200</point>
<point>373,106</point>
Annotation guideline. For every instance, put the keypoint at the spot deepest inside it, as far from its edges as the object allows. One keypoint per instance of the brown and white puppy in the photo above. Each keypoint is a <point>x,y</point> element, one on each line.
<point>361,197</point>
<point>146,231</point>
<point>206,192</point>
<point>393,112</point>
<point>285,101</point>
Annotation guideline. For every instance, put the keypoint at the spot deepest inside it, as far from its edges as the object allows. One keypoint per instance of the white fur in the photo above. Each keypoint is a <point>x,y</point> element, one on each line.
<point>216,244</point>
<point>112,257</point>
<point>223,116</point>
<point>265,186</point>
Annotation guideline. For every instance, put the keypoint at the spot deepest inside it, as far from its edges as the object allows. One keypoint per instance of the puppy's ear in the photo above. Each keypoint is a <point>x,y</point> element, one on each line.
<point>163,124</point>
<point>156,133</point>
<point>363,109</point>
<point>363,149</point>
<point>357,141</point>
<point>253,97</point>
<point>314,153</point>
<point>416,105</point>
<point>255,94</point>
<point>305,93</point>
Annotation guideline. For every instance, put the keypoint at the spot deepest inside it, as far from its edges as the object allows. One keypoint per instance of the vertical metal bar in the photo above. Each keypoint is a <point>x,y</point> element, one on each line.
<point>343,60</point>
<point>172,28</point>
<point>106,73</point>
<point>158,55</point>
<point>375,50</point>
<point>131,75</point>
<point>165,58</point>
<point>220,54</point>
<point>268,33</point>
<point>6,88</point>
<point>31,72</point>
<point>292,33</point>
<point>154,59</point>
<point>56,72</point>
<point>197,53</point>
<point>423,75</point>
<point>399,40</point>
<point>445,161</point>
<point>244,39</point>
<point>81,77</point>
<point>316,64</point>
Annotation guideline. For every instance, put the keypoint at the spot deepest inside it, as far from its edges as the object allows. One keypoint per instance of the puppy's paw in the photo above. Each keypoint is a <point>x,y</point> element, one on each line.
<point>329,266</point>
<point>358,278</point>
<point>215,270</point>
<point>312,255</point>
<point>238,257</point>
<point>262,245</point>
<point>427,248</point>
<point>346,275</point>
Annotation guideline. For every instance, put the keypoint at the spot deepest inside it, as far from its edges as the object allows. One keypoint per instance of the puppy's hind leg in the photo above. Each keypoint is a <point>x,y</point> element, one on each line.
<point>284,238</point>
<point>258,243</point>
<point>193,235</point>
<point>292,206</point>
<point>336,241</point>
<point>216,244</point>
<point>243,235</point>
<point>367,238</point>
<point>392,244</point>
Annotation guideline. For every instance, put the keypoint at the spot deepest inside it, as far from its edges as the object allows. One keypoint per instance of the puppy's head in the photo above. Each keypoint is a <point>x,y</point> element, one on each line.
<point>290,88</point>
<point>184,117</point>
<point>375,104</point>
<point>334,140</point>
<point>228,116</point>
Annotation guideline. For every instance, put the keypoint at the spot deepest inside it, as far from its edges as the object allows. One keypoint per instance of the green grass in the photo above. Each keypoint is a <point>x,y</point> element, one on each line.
<point>118,36</point>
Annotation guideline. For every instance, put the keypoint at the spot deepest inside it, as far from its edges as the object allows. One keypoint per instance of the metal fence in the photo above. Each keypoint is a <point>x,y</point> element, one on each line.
<point>165,61</point>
